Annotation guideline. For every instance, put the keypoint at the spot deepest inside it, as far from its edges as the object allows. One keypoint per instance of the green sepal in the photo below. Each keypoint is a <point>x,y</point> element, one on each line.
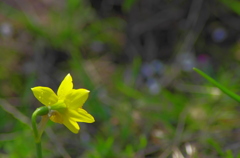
<point>44,110</point>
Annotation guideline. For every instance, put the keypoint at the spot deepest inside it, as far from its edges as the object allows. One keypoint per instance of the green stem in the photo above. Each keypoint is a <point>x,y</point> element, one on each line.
<point>222,88</point>
<point>39,149</point>
<point>38,112</point>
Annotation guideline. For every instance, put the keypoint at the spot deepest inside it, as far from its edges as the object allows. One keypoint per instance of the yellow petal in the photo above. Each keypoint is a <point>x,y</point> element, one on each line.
<point>76,98</point>
<point>71,125</point>
<point>45,95</point>
<point>65,87</point>
<point>55,116</point>
<point>80,115</point>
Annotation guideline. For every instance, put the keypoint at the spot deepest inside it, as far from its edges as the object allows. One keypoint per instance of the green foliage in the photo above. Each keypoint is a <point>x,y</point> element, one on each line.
<point>102,148</point>
<point>130,121</point>
<point>233,5</point>
<point>127,4</point>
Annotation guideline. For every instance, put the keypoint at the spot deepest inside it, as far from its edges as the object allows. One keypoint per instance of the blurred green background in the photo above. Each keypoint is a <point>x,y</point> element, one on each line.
<point>136,58</point>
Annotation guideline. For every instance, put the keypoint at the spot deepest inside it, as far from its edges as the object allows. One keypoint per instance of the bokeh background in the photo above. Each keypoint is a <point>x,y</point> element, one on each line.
<point>136,58</point>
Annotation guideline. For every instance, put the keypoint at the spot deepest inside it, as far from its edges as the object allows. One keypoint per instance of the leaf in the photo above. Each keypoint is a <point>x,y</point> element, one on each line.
<point>233,5</point>
<point>215,145</point>
<point>221,87</point>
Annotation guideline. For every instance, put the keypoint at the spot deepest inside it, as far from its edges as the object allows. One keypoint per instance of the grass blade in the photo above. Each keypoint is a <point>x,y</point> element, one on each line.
<point>222,88</point>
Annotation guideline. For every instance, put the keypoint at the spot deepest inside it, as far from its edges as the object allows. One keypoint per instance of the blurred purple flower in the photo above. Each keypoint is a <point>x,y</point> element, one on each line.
<point>219,35</point>
<point>147,70</point>
<point>153,86</point>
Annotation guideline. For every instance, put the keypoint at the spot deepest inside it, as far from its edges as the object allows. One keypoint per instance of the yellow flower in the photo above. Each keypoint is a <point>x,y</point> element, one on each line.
<point>66,106</point>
